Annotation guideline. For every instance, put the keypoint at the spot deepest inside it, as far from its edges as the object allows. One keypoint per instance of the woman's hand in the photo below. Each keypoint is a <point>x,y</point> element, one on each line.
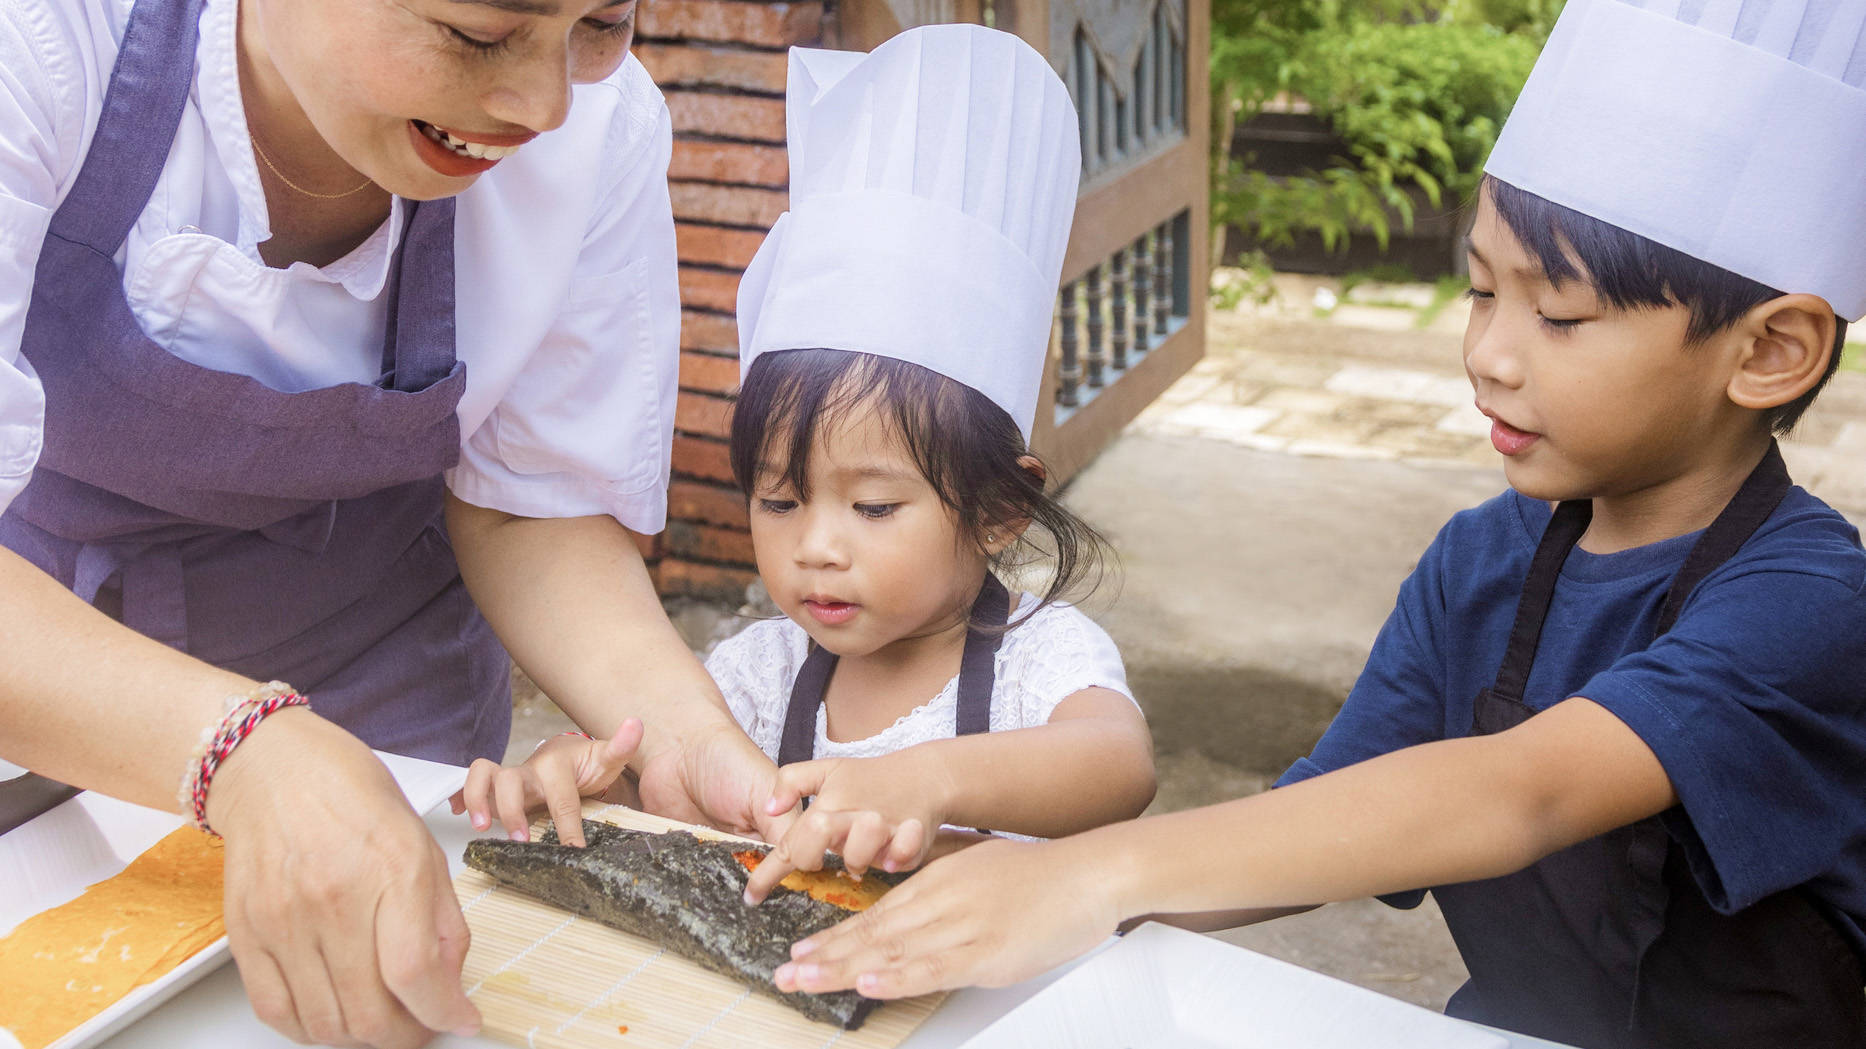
<point>718,777</point>
<point>339,909</point>
<point>990,915</point>
<point>558,776</point>
<point>882,811</point>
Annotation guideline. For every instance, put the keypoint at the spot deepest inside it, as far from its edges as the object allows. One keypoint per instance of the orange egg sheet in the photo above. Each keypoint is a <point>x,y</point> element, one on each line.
<point>65,965</point>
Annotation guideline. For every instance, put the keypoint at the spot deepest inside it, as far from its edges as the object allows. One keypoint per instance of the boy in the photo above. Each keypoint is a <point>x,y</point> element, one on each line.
<point>1625,739</point>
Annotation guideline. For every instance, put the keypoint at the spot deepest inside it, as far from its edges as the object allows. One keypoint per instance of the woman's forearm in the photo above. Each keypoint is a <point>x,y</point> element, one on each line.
<point>573,603</point>
<point>86,700</point>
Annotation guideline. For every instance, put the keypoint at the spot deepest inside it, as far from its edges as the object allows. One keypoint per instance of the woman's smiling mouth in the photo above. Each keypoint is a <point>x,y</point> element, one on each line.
<point>450,154</point>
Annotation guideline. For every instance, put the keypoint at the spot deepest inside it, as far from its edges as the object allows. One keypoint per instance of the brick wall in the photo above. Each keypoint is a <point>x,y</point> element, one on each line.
<point>721,64</point>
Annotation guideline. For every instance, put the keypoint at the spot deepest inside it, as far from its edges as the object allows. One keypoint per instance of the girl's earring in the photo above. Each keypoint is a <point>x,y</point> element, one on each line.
<point>990,539</point>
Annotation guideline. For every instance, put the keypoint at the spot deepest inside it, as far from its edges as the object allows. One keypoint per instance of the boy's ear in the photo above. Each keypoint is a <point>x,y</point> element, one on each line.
<point>1787,343</point>
<point>1001,535</point>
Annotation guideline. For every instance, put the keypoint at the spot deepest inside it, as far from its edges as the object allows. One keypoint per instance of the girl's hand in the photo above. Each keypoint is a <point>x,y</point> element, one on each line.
<point>882,812</point>
<point>558,776</point>
<point>990,915</point>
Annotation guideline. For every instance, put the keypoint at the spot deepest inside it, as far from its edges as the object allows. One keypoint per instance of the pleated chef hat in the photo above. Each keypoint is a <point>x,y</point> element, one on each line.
<point>932,184</point>
<point>1731,130</point>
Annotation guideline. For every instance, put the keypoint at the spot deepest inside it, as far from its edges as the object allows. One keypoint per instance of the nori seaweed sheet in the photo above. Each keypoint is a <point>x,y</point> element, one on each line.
<point>683,893</point>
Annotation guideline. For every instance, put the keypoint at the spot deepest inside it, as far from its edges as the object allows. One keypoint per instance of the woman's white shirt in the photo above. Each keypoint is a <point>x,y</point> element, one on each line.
<point>567,302</point>
<point>1055,654</point>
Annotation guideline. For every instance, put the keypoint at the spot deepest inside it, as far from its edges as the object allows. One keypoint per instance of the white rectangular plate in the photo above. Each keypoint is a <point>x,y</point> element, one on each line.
<point>54,858</point>
<point>1162,986</point>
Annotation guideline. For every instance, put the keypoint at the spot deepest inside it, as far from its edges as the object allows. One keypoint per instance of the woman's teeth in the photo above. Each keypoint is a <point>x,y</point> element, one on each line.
<point>476,150</point>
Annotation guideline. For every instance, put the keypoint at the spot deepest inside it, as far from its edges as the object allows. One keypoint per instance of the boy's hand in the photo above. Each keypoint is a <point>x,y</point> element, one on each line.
<point>1047,902</point>
<point>872,812</point>
<point>558,776</point>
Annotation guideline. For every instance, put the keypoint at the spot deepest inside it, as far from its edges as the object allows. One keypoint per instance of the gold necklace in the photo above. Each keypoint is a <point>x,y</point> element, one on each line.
<point>274,168</point>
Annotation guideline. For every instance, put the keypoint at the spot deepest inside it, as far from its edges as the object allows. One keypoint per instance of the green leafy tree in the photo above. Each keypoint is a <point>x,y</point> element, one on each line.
<point>1416,92</point>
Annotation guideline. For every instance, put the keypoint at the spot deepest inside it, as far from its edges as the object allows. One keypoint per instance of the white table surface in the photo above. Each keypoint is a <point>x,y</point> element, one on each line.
<point>214,1012</point>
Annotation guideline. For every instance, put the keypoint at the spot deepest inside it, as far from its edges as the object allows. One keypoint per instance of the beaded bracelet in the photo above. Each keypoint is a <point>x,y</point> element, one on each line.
<point>240,716</point>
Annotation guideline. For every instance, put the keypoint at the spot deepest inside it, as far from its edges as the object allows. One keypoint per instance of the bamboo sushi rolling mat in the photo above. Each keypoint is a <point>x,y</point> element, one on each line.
<point>545,979</point>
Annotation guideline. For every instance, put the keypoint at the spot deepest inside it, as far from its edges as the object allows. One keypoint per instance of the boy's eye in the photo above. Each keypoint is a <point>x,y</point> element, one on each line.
<point>1561,324</point>
<point>777,506</point>
<point>875,511</point>
<point>1475,294</point>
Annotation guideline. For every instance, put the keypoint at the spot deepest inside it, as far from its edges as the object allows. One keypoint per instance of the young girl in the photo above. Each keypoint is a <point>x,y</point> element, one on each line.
<point>906,690</point>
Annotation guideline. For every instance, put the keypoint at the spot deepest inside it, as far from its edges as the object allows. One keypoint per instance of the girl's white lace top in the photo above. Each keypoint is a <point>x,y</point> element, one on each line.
<point>1040,663</point>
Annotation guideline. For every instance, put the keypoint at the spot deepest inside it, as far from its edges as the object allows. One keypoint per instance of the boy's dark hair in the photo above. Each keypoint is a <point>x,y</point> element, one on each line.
<point>964,445</point>
<point>1630,271</point>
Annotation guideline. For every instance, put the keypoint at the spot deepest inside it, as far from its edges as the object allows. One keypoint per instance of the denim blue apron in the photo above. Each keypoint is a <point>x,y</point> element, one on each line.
<point>296,536</point>
<point>1610,944</point>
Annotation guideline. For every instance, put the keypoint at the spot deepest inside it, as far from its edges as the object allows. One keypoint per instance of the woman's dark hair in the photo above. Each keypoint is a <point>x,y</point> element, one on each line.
<point>1631,271</point>
<point>964,445</point>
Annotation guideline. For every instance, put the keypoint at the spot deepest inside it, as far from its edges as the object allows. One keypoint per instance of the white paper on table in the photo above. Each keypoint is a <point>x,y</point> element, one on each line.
<point>1162,986</point>
<point>52,859</point>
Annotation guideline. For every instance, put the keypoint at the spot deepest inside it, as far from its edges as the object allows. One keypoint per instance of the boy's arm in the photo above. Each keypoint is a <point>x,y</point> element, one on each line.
<point>1437,813</point>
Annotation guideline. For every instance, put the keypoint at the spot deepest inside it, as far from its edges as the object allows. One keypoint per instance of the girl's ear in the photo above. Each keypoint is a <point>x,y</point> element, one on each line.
<point>1000,535</point>
<point>1787,343</point>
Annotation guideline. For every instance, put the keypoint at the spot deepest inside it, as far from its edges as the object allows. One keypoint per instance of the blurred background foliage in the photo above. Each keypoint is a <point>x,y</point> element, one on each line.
<point>1414,92</point>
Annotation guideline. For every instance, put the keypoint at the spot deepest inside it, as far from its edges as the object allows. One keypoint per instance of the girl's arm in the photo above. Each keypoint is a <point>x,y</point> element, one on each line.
<point>572,601</point>
<point>1443,812</point>
<point>1091,764</point>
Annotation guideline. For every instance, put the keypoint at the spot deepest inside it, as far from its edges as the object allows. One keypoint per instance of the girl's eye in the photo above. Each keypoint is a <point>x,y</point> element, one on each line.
<point>875,511</point>
<point>1476,295</point>
<point>777,506</point>
<point>475,45</point>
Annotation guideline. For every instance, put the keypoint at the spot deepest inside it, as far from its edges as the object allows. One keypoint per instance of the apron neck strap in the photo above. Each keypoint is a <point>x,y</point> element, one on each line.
<point>1762,491</point>
<point>153,73</point>
<point>977,677</point>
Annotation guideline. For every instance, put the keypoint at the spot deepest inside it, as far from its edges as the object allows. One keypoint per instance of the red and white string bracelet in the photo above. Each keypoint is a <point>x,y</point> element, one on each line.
<point>240,716</point>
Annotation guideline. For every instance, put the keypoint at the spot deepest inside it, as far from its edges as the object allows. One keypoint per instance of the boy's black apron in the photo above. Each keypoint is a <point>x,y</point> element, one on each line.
<point>1610,944</point>
<point>977,676</point>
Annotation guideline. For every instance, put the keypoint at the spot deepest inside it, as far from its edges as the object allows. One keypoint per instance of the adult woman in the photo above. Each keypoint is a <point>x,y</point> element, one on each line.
<point>236,358</point>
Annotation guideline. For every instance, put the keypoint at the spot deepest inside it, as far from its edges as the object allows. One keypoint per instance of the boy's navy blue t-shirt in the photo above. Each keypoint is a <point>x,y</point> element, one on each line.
<point>1754,701</point>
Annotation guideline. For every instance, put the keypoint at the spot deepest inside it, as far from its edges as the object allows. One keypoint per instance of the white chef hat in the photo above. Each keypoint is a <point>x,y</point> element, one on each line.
<point>1731,130</point>
<point>932,184</point>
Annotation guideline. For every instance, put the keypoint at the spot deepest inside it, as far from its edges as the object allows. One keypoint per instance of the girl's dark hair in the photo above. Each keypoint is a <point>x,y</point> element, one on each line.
<point>1631,271</point>
<point>964,445</point>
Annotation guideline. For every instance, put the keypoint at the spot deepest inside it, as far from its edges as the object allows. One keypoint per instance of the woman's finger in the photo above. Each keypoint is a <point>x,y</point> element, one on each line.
<point>265,985</point>
<point>369,1012</point>
<point>422,939</point>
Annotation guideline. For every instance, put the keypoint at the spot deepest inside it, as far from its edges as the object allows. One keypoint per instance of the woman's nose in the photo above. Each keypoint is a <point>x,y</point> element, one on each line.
<point>534,94</point>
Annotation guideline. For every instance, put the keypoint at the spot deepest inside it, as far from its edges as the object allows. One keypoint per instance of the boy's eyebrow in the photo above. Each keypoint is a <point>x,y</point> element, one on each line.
<point>1521,271</point>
